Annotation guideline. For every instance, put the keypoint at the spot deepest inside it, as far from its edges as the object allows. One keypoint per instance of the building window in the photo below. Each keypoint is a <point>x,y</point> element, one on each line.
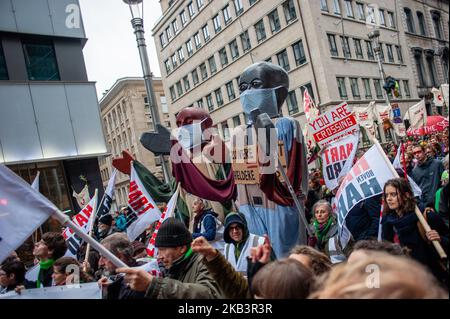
<point>216,22</point>
<point>226,14</point>
<point>179,88</point>
<point>382,18</point>
<point>371,13</point>
<point>212,65</point>
<point>355,88</point>
<point>173,58</point>
<point>191,9</point>
<point>189,48</point>
<point>251,2</point>
<point>187,85</point>
<point>175,26</point>
<point>219,98</point>
<point>245,40</point>
<point>292,103</point>
<point>391,19</point>
<point>162,39</point>
<point>223,56</point>
<point>41,62</point>
<point>203,71</point>
<point>378,91</point>
<point>308,87</point>
<point>234,49</point>
<point>173,95</point>
<point>183,18</point>
<point>230,91</point>
<point>169,33</point>
<point>195,79</point>
<point>346,47</point>
<point>332,43</point>
<point>236,121</point>
<point>370,54</point>
<point>269,59</point>
<point>225,131</point>
<point>197,41</point>
<point>406,88</point>
<point>260,31</point>
<point>200,103</point>
<point>390,53</point>
<point>341,88</point>
<point>348,8</point>
<point>381,52</point>
<point>436,17</point>
<point>409,20</point>
<point>200,3</point>
<point>337,6</point>
<point>209,102</point>
<point>299,53</point>
<point>274,21</point>
<point>289,10</point>
<point>399,54</point>
<point>358,49</point>
<point>205,31</point>
<point>283,60</point>
<point>360,11</point>
<point>367,90</point>
<point>431,67</point>
<point>420,68</point>
<point>180,55</point>
<point>167,65</point>
<point>421,20</point>
<point>323,5</point>
<point>238,7</point>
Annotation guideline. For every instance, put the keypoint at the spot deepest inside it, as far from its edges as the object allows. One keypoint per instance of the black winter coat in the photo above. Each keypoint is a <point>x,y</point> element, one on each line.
<point>364,219</point>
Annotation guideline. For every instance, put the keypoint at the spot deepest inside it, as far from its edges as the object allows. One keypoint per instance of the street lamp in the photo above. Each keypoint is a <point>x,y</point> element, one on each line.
<point>137,21</point>
<point>374,37</point>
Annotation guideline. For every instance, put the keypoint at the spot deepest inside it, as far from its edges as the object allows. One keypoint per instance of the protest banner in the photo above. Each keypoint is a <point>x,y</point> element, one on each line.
<point>82,291</point>
<point>105,204</point>
<point>340,121</point>
<point>337,159</point>
<point>143,208</point>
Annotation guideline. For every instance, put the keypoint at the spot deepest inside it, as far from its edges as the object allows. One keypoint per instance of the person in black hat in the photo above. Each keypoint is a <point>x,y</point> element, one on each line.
<point>105,227</point>
<point>186,277</point>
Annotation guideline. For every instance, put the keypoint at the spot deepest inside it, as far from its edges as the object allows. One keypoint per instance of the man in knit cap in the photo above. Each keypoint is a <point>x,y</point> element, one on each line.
<point>186,277</point>
<point>105,227</point>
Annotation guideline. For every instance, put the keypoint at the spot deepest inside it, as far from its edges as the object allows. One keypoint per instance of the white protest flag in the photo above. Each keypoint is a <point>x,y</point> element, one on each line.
<point>82,197</point>
<point>365,180</point>
<point>22,210</point>
<point>438,99</point>
<point>143,208</point>
<point>397,165</point>
<point>83,219</point>
<point>382,112</point>
<point>168,212</point>
<point>417,115</point>
<point>444,90</point>
<point>364,116</point>
<point>337,159</point>
<point>105,205</point>
<point>35,183</point>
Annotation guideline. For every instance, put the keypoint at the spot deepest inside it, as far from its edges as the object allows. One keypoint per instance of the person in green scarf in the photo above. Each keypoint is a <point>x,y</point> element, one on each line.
<point>325,228</point>
<point>51,247</point>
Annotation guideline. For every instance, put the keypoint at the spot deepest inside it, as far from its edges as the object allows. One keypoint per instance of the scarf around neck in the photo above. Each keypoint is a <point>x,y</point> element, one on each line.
<point>43,265</point>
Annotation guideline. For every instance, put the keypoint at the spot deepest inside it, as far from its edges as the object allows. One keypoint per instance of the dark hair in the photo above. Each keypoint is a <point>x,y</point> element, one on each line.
<point>405,196</point>
<point>283,279</point>
<point>55,242</point>
<point>384,246</point>
<point>63,262</point>
<point>320,263</point>
<point>16,267</point>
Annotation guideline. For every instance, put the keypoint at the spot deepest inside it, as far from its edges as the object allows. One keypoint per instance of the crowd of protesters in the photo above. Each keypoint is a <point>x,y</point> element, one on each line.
<point>225,260</point>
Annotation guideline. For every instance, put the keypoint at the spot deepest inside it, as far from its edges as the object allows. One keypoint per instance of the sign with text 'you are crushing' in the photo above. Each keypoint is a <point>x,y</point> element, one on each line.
<point>333,125</point>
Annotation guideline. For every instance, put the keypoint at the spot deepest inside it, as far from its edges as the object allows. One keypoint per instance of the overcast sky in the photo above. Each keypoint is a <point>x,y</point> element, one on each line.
<point>111,51</point>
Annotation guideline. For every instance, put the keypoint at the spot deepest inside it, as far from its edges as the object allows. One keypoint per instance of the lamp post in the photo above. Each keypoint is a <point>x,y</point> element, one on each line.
<point>137,21</point>
<point>374,37</point>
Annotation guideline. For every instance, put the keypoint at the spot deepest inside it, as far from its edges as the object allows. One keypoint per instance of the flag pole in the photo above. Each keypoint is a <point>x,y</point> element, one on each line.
<point>422,220</point>
<point>91,227</point>
<point>65,221</point>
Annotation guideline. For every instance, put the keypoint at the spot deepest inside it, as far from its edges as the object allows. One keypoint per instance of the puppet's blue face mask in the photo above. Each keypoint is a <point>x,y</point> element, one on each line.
<point>190,135</point>
<point>265,100</point>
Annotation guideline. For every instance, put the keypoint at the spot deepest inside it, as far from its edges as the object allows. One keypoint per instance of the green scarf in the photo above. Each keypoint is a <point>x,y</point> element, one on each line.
<point>322,231</point>
<point>44,265</point>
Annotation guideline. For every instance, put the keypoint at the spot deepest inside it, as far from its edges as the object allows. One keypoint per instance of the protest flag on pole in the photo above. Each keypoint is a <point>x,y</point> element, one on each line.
<point>168,212</point>
<point>144,210</point>
<point>397,165</point>
<point>417,115</point>
<point>105,204</point>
